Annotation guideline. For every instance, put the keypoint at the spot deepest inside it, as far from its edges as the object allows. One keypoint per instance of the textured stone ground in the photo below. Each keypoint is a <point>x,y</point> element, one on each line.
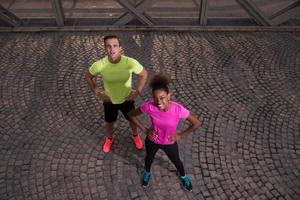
<point>246,85</point>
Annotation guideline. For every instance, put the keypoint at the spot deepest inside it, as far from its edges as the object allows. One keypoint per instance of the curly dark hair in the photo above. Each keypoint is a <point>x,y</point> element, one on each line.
<point>159,81</point>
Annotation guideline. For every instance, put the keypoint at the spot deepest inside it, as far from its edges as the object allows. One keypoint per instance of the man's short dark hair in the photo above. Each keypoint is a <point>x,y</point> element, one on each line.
<point>112,37</point>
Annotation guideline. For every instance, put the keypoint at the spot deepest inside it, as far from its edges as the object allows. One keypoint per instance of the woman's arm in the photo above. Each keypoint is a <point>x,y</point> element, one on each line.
<point>133,117</point>
<point>194,123</point>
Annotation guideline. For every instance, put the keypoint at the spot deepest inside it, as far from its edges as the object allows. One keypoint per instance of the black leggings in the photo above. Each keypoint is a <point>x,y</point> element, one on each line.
<point>171,150</point>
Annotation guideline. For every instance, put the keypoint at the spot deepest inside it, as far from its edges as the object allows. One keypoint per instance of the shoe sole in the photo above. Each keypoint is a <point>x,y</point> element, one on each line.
<point>187,189</point>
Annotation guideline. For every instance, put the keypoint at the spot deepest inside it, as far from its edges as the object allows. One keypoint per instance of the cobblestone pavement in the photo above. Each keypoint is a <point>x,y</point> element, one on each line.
<point>245,85</point>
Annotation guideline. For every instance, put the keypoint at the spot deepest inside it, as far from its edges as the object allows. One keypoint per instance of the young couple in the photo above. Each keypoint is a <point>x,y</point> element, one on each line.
<point>117,94</point>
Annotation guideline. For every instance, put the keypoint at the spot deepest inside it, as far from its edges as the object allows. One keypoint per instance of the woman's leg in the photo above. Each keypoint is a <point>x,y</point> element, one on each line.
<point>173,154</point>
<point>151,149</point>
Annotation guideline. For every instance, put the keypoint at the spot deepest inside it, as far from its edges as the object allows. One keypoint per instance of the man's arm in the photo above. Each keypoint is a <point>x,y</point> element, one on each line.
<point>140,85</point>
<point>141,81</point>
<point>90,80</point>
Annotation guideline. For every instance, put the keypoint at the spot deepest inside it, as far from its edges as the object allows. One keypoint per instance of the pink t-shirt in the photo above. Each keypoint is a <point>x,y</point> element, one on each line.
<point>164,123</point>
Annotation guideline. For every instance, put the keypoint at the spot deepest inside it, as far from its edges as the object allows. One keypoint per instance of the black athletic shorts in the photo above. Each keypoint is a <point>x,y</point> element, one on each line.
<point>111,110</point>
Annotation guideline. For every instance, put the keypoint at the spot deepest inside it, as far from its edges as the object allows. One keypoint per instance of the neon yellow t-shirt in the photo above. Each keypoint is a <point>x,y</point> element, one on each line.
<point>116,77</point>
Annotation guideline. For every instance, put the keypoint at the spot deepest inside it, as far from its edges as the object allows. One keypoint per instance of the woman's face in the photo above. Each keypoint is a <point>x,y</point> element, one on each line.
<point>161,99</point>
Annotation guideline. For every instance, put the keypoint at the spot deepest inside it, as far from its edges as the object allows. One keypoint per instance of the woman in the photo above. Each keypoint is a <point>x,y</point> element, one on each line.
<point>165,116</point>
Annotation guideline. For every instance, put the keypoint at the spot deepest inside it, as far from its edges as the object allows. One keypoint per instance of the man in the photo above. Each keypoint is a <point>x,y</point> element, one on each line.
<point>116,73</point>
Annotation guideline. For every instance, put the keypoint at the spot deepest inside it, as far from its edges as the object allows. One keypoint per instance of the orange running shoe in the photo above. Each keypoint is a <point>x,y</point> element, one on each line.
<point>138,142</point>
<point>107,145</point>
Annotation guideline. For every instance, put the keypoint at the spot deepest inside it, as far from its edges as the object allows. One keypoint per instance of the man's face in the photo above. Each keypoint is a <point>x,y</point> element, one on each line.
<point>113,49</point>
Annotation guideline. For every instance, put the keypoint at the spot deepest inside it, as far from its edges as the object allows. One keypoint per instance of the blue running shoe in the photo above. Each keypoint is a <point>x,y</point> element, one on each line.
<point>187,183</point>
<point>146,178</point>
